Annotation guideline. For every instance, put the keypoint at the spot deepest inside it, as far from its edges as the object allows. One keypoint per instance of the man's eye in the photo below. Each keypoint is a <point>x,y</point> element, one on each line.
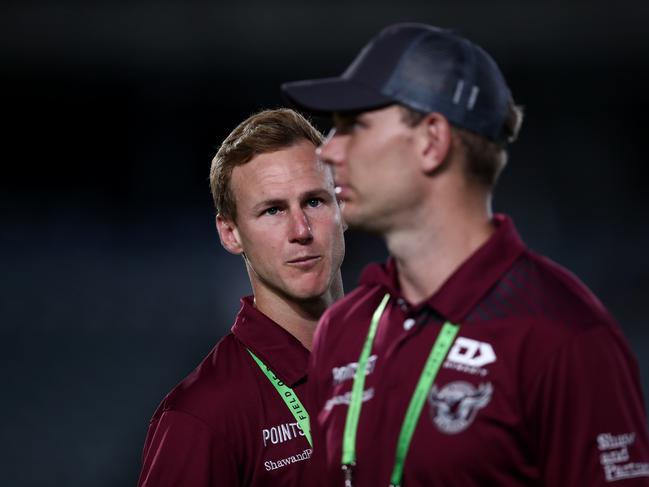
<point>347,125</point>
<point>357,122</point>
<point>314,202</point>
<point>273,210</point>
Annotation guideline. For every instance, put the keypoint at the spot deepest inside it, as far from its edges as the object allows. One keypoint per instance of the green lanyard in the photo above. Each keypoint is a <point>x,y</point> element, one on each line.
<point>290,398</point>
<point>437,354</point>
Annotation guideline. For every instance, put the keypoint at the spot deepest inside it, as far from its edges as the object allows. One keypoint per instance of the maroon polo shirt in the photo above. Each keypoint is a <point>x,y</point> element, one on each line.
<point>539,387</point>
<point>226,424</point>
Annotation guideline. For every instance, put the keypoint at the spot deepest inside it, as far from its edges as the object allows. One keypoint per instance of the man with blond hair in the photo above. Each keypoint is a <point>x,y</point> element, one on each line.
<point>239,418</point>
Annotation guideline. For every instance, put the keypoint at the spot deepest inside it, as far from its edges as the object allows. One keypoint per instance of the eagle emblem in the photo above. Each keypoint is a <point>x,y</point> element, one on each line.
<point>454,407</point>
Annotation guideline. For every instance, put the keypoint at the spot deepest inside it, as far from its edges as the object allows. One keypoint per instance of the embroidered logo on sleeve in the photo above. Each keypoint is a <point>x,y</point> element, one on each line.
<point>615,458</point>
<point>454,407</point>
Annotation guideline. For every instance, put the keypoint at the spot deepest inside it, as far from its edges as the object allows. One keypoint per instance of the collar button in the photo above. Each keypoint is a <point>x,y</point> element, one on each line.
<point>408,324</point>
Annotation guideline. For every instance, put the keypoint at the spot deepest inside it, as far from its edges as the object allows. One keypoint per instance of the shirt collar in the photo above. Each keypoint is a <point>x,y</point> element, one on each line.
<point>276,347</point>
<point>470,282</point>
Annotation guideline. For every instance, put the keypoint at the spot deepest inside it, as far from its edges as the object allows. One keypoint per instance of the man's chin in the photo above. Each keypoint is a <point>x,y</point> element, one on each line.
<point>358,221</point>
<point>309,293</point>
<point>353,215</point>
<point>309,296</point>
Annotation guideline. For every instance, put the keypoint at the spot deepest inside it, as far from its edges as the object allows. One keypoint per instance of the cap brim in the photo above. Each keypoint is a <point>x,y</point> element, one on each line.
<point>328,95</point>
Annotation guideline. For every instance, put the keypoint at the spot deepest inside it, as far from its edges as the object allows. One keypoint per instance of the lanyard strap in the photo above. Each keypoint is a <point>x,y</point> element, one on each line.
<point>290,398</point>
<point>433,363</point>
<point>356,399</point>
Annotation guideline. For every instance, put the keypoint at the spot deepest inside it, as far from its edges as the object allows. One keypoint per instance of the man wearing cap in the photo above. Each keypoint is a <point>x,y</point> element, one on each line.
<point>239,418</point>
<point>465,360</point>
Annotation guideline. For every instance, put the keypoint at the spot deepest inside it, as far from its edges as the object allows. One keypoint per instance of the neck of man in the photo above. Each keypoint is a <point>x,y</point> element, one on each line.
<point>298,317</point>
<point>436,240</point>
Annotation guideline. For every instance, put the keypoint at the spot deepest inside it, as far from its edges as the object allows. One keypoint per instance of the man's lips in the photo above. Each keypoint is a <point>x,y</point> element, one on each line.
<point>304,260</point>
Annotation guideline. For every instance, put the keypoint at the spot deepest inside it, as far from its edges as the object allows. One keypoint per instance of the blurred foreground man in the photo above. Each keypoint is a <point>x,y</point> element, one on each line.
<point>239,418</point>
<point>466,360</point>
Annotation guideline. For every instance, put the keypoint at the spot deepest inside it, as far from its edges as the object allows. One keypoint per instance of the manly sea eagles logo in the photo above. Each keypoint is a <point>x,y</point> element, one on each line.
<point>454,407</point>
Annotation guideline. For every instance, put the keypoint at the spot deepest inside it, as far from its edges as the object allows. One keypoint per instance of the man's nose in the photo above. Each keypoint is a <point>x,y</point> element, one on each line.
<point>332,150</point>
<point>300,231</point>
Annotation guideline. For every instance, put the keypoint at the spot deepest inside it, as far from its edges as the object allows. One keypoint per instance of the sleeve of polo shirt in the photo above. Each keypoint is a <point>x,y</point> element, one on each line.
<point>587,415</point>
<point>180,449</point>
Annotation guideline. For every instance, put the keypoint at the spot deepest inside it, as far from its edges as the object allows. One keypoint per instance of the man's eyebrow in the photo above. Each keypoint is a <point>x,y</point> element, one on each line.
<point>268,203</point>
<point>316,193</point>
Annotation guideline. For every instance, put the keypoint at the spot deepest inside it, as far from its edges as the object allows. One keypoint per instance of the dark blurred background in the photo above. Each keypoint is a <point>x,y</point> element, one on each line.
<point>114,284</point>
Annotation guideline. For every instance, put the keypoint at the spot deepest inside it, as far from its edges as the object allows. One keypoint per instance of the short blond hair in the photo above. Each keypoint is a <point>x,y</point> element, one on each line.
<point>261,133</point>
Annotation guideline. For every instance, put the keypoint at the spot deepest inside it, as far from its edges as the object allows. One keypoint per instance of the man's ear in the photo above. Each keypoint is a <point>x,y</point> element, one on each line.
<point>434,141</point>
<point>229,235</point>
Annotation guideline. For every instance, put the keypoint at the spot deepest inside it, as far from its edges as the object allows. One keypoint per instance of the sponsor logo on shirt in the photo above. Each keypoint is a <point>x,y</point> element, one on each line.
<point>454,407</point>
<point>615,458</point>
<point>283,462</point>
<point>346,398</point>
<point>281,433</point>
<point>470,356</point>
<point>346,372</point>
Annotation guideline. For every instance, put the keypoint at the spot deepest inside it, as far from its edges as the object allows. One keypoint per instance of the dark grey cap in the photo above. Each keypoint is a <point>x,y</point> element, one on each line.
<point>422,67</point>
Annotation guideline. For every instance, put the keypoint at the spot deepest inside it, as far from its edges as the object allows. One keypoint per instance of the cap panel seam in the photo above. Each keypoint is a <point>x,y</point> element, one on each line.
<point>402,58</point>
